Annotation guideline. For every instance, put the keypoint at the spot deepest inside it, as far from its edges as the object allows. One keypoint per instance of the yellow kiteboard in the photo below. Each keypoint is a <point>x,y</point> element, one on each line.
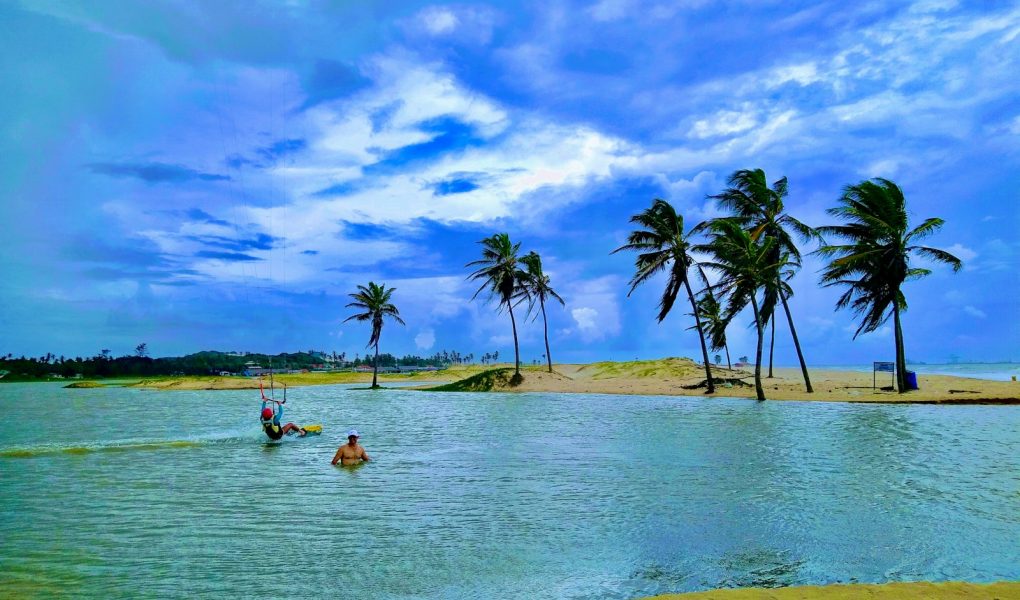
<point>313,429</point>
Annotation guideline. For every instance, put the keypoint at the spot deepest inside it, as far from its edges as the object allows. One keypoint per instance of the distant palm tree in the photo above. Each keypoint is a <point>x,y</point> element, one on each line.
<point>875,261</point>
<point>744,268</point>
<point>710,313</point>
<point>502,277</point>
<point>662,244</point>
<point>374,300</point>
<point>536,287</point>
<point>759,208</point>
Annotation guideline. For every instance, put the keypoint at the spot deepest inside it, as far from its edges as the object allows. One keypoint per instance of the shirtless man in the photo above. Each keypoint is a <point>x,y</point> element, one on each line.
<point>350,453</point>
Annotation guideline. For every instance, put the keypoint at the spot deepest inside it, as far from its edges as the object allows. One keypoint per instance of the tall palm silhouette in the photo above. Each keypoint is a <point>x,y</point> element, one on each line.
<point>500,274</point>
<point>374,301</point>
<point>744,269</point>
<point>759,208</point>
<point>536,287</point>
<point>874,262</point>
<point>663,245</point>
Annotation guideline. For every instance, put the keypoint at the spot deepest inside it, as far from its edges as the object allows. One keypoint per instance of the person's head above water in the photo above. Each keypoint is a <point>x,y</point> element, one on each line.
<point>267,413</point>
<point>352,434</point>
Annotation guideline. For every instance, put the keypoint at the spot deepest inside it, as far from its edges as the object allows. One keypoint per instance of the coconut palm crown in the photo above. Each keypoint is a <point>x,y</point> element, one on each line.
<point>663,245</point>
<point>874,262</point>
<point>502,277</point>
<point>744,269</point>
<point>537,288</point>
<point>759,209</point>
<point>374,302</point>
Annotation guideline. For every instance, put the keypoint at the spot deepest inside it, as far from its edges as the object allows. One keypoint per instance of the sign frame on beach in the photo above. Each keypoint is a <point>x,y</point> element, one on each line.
<point>883,367</point>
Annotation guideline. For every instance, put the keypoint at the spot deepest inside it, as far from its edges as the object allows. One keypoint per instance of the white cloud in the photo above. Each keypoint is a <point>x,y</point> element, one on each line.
<point>594,306</point>
<point>724,122</point>
<point>1014,125</point>
<point>962,252</point>
<point>438,20</point>
<point>425,339</point>
<point>974,312</point>
<point>585,318</point>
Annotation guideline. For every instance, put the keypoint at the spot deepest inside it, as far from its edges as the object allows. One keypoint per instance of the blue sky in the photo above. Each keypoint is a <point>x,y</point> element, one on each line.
<point>200,175</point>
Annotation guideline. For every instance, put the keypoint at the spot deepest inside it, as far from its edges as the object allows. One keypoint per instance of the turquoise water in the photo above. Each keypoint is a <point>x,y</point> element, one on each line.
<point>136,493</point>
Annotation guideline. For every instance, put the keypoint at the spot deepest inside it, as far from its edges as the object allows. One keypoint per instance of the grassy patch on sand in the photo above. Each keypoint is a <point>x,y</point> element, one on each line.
<point>486,381</point>
<point>678,368</point>
<point>85,384</point>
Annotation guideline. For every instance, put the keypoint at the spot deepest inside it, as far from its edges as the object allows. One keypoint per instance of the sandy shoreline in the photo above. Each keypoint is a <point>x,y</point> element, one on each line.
<point>829,386</point>
<point>665,377</point>
<point>953,590</point>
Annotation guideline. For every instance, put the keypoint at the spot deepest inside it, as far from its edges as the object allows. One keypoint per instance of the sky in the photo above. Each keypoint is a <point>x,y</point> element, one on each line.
<point>221,175</point>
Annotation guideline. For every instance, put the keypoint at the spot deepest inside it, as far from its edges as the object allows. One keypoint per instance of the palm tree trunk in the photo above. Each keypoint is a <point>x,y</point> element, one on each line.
<point>545,325</point>
<point>757,360</point>
<point>728,365</point>
<point>901,360</point>
<point>796,344</point>
<point>701,338</point>
<point>375,367</point>
<point>772,344</point>
<point>517,350</point>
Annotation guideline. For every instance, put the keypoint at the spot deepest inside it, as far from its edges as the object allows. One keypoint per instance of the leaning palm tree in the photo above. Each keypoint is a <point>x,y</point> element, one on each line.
<point>875,261</point>
<point>374,301</point>
<point>502,277</point>
<point>663,245</point>
<point>744,269</point>
<point>759,208</point>
<point>710,313</point>
<point>536,287</point>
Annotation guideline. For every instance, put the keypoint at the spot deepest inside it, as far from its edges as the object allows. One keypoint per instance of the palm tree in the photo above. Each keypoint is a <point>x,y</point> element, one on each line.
<point>875,261</point>
<point>536,287</point>
<point>499,273</point>
<point>374,300</point>
<point>744,268</point>
<point>759,208</point>
<point>663,245</point>
<point>710,313</point>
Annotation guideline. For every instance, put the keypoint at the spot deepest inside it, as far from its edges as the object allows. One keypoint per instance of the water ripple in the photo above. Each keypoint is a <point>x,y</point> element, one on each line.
<point>473,495</point>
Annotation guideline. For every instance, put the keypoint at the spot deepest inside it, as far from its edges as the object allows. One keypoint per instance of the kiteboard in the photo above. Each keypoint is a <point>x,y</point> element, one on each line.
<point>313,429</point>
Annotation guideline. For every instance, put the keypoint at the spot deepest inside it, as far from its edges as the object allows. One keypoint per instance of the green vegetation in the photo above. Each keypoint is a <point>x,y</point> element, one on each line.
<point>680,368</point>
<point>759,209</point>
<point>486,381</point>
<point>374,301</point>
<point>743,264</point>
<point>875,261</point>
<point>662,245</point>
<point>537,287</point>
<point>504,280</point>
<point>85,384</point>
<point>710,312</point>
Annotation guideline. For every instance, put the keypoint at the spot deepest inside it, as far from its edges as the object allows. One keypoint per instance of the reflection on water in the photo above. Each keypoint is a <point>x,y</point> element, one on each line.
<point>123,492</point>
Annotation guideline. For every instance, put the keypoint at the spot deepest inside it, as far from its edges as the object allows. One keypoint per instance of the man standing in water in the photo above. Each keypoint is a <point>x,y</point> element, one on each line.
<point>350,453</point>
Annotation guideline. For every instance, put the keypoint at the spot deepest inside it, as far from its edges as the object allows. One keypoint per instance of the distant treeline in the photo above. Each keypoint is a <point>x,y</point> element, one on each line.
<point>201,363</point>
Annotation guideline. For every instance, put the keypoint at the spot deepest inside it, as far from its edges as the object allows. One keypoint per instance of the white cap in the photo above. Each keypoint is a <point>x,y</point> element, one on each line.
<point>353,432</point>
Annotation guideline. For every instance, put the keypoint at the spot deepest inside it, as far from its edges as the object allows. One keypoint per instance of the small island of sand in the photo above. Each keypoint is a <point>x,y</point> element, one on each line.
<point>662,377</point>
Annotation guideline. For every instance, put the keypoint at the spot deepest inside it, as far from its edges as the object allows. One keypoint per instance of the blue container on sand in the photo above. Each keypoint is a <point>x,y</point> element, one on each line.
<point>911,380</point>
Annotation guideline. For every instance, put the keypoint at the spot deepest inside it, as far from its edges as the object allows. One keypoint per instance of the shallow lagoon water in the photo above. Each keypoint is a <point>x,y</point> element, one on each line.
<point>124,493</point>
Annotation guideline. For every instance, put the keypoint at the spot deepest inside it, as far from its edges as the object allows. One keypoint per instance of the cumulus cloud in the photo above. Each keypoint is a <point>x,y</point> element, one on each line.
<point>425,339</point>
<point>594,307</point>
<point>585,318</point>
<point>438,20</point>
